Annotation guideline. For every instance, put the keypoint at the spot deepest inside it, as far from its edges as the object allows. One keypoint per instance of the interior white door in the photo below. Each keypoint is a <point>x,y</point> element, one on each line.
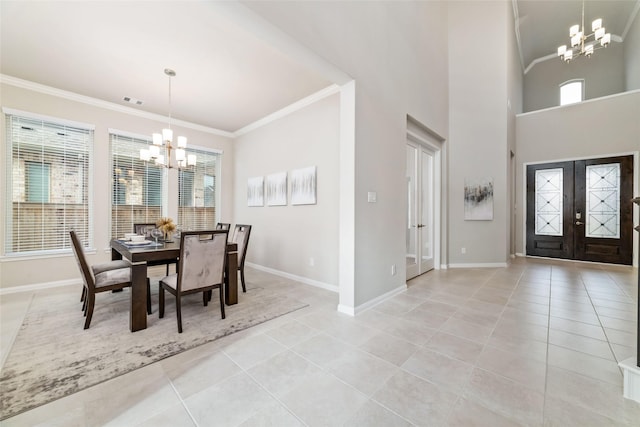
<point>420,227</point>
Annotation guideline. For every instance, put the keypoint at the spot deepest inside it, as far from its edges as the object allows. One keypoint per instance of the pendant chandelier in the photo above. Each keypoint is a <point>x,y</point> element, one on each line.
<point>165,140</point>
<point>582,43</point>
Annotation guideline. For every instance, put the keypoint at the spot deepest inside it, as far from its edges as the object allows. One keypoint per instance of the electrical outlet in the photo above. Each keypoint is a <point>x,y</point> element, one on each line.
<point>463,250</point>
<point>393,269</point>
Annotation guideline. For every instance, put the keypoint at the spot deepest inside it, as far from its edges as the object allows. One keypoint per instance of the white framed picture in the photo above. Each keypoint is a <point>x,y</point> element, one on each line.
<point>276,189</point>
<point>478,199</point>
<point>255,191</point>
<point>303,186</point>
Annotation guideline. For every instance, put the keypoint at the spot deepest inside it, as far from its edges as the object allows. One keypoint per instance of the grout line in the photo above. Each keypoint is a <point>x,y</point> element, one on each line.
<point>184,404</point>
<point>604,330</point>
<point>546,357</point>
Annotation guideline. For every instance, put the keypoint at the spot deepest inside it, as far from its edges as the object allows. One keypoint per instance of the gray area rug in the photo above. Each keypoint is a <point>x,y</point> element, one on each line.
<point>53,356</point>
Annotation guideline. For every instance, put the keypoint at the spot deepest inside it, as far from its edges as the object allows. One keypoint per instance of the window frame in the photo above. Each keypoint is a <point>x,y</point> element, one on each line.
<point>568,83</point>
<point>164,184</point>
<point>81,140</point>
<point>200,152</point>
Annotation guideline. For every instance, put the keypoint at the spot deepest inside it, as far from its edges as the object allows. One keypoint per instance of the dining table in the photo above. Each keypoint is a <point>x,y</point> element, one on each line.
<point>141,255</point>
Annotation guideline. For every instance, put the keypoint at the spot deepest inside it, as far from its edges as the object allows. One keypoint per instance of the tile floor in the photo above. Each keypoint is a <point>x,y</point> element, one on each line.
<point>533,344</point>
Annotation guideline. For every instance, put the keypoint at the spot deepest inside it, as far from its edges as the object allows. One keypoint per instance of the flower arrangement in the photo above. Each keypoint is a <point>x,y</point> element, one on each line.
<point>167,227</point>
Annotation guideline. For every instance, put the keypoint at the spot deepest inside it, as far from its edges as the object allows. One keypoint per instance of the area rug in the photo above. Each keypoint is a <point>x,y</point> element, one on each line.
<point>53,357</point>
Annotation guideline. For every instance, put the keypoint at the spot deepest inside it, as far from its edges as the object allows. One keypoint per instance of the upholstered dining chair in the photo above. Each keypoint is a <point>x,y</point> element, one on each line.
<point>223,226</point>
<point>102,277</point>
<point>203,255</point>
<point>241,237</point>
<point>145,229</point>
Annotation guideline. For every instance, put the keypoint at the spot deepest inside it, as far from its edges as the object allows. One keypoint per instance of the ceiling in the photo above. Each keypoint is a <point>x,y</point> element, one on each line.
<point>543,25</point>
<point>227,77</point>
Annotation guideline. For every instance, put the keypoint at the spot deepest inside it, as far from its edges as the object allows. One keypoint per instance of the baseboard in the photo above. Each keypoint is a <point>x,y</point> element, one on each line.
<point>39,286</point>
<point>354,311</point>
<point>479,265</point>
<point>301,279</point>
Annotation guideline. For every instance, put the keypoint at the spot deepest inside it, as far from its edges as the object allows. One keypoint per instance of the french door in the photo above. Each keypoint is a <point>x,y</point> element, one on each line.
<point>581,210</point>
<point>420,228</point>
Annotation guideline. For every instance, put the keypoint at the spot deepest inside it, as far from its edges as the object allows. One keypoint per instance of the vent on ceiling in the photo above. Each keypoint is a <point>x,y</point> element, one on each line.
<point>131,100</point>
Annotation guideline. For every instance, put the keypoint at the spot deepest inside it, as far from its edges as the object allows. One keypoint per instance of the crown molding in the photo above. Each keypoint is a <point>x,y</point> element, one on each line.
<point>72,96</point>
<point>48,90</point>
<point>304,102</point>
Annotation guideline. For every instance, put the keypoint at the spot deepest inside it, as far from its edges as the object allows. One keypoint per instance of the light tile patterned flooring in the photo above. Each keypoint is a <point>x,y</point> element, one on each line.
<point>536,343</point>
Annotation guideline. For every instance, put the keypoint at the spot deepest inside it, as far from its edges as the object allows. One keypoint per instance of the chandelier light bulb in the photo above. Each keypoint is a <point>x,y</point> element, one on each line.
<point>596,24</point>
<point>562,49</point>
<point>574,30</point>
<point>605,40</point>
<point>588,50</point>
<point>145,155</point>
<point>599,33</point>
<point>568,56</point>
<point>157,139</point>
<point>167,135</point>
<point>575,41</point>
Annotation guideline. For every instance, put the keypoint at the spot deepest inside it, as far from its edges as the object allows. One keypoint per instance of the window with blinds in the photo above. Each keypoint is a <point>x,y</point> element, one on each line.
<point>137,187</point>
<point>197,192</point>
<point>48,184</point>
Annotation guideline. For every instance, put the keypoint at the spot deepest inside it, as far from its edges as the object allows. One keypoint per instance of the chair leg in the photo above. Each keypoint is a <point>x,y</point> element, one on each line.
<point>148,296</point>
<point>179,312</point>
<point>222,300</point>
<point>161,301</point>
<point>244,289</point>
<point>84,304</point>
<point>91,299</point>
<point>84,294</point>
<point>206,296</point>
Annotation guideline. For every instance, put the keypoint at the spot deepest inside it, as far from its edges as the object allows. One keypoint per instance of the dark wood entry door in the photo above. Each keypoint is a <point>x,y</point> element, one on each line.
<point>581,210</point>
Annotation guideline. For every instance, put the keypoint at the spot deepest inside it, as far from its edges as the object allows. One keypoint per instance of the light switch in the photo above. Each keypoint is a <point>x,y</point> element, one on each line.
<point>372,197</point>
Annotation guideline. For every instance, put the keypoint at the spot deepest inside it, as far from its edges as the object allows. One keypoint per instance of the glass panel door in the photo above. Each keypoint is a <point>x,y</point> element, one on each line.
<point>420,210</point>
<point>412,211</point>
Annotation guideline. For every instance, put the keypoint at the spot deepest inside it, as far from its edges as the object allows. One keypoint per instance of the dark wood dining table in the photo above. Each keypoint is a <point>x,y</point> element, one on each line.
<point>140,256</point>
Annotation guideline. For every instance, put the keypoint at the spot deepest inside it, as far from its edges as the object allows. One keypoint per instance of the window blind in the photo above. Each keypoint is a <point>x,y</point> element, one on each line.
<point>47,185</point>
<point>197,192</point>
<point>137,187</point>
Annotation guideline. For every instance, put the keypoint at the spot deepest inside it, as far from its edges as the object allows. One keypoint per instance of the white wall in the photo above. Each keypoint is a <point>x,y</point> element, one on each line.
<point>478,126</point>
<point>397,54</point>
<point>16,272</point>
<point>603,73</point>
<point>596,128</point>
<point>285,238</point>
<point>632,55</point>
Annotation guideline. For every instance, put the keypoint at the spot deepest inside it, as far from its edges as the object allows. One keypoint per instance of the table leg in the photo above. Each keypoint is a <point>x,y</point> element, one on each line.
<point>115,255</point>
<point>138,309</point>
<point>231,279</point>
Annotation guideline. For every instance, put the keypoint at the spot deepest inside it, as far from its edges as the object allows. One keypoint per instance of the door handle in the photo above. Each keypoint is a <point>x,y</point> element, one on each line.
<point>579,223</point>
<point>420,225</point>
